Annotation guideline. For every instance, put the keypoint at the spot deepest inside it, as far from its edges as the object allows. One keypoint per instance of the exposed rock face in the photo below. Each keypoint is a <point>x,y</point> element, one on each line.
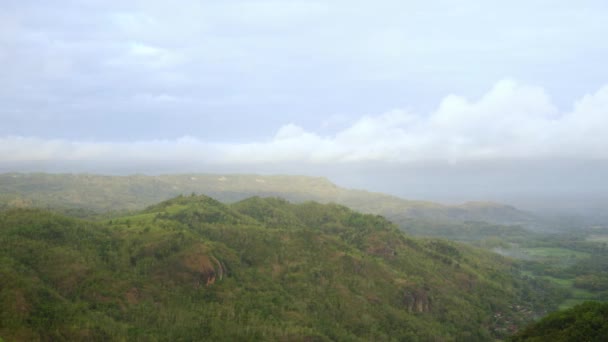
<point>206,269</point>
<point>210,275</point>
<point>417,300</point>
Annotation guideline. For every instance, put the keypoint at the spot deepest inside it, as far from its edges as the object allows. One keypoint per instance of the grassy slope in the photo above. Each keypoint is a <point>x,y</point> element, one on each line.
<point>192,268</point>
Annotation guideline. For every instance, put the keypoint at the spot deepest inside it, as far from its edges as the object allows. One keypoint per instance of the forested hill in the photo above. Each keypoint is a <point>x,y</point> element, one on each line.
<point>192,268</point>
<point>584,322</point>
<point>110,193</point>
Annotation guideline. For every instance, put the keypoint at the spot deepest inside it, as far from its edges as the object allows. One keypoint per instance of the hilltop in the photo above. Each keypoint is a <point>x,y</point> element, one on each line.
<point>193,268</point>
<point>84,195</point>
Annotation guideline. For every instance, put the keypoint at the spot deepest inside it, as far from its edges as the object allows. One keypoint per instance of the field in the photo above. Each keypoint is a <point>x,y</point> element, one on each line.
<point>556,253</point>
<point>564,262</point>
<point>601,238</point>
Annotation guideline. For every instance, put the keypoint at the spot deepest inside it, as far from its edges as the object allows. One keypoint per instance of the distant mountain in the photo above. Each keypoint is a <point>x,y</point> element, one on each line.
<point>193,268</point>
<point>82,194</point>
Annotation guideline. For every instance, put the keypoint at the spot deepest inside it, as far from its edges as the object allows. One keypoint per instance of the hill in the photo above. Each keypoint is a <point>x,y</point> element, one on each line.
<point>192,268</point>
<point>84,195</point>
<point>584,322</point>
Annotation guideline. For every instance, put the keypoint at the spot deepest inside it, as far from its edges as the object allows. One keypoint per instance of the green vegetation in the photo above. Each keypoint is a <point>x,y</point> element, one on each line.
<point>192,268</point>
<point>584,322</point>
<point>598,238</point>
<point>424,286</point>
<point>571,261</point>
<point>87,196</point>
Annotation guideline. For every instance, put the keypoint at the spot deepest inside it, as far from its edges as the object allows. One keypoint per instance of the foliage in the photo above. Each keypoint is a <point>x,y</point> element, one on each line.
<point>571,261</point>
<point>192,268</point>
<point>85,195</point>
<point>584,322</point>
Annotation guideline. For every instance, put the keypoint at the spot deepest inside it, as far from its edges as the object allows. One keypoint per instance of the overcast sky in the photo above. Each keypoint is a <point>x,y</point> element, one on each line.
<point>308,82</point>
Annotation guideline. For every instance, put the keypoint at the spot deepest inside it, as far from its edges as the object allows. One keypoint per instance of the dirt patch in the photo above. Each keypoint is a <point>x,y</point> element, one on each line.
<point>132,296</point>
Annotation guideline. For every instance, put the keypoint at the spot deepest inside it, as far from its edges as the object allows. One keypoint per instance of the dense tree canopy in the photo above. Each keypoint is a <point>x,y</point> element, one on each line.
<point>192,268</point>
<point>584,322</point>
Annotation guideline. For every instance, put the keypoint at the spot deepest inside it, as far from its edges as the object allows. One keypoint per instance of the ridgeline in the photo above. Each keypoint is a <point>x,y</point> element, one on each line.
<point>89,196</point>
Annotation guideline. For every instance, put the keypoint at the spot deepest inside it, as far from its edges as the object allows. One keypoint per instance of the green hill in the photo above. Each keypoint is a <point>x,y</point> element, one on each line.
<point>192,268</point>
<point>584,322</point>
<point>86,195</point>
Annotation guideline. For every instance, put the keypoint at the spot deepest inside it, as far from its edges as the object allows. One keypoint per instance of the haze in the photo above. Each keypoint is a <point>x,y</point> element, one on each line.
<point>433,100</point>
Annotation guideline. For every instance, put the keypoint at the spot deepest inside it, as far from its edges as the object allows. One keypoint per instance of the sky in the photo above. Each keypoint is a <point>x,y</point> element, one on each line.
<point>423,92</point>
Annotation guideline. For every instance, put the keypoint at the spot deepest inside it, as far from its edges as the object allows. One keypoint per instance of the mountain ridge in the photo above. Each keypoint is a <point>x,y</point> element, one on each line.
<point>108,193</point>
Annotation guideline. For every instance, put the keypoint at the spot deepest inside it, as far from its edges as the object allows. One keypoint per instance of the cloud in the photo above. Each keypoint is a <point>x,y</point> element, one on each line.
<point>511,121</point>
<point>288,61</point>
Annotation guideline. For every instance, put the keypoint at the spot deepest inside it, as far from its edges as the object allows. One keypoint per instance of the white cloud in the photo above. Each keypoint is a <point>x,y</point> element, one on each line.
<point>137,54</point>
<point>511,121</point>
